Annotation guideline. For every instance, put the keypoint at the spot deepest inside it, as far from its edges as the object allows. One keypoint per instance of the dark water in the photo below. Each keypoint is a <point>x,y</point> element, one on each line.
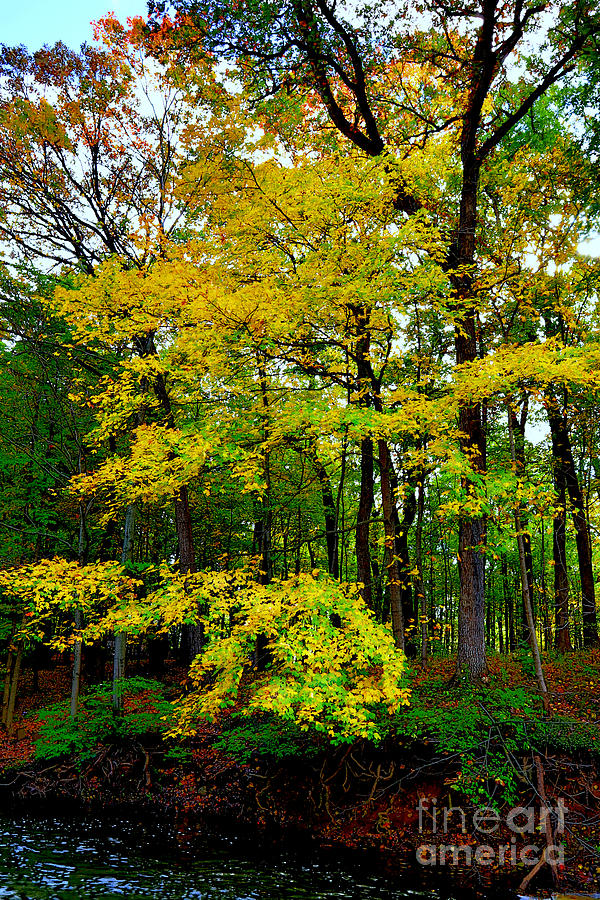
<point>44,858</point>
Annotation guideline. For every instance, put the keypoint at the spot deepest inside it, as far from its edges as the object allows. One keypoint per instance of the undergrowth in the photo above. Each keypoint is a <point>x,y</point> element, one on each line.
<point>480,735</point>
<point>486,732</point>
<point>146,710</point>
<point>267,736</point>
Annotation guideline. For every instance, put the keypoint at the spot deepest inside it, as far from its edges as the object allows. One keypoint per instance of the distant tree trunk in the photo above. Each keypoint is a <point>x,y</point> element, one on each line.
<point>119,658</point>
<point>393,573</point>
<point>544,592</point>
<point>533,641</point>
<point>389,486</point>
<point>11,683</point>
<point>340,507</point>
<point>511,638</point>
<point>363,522</point>
<point>14,686</point>
<point>298,542</point>
<point>490,616</point>
<point>402,526</point>
<point>7,681</point>
<point>418,584</point>
<point>107,549</point>
<point>264,520</point>
<point>185,538</point>
<point>377,605</point>
<point>77,614</point>
<point>329,512</point>
<point>192,636</point>
<point>365,504</point>
<point>562,637</point>
<point>471,611</point>
<point>518,426</point>
<point>120,650</point>
<point>563,460</point>
<point>183,518</point>
<point>264,536</point>
<point>77,655</point>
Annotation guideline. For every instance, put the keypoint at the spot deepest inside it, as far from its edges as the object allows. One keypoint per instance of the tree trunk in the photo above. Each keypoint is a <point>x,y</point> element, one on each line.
<point>340,508</point>
<point>185,538</point>
<point>533,641</point>
<point>77,614</point>
<point>13,687</point>
<point>518,426</point>
<point>471,657</point>
<point>393,573</point>
<point>563,461</point>
<point>365,505</point>
<point>119,659</point>
<point>265,566</point>
<point>120,649</point>
<point>192,635</point>
<point>418,584</point>
<point>10,662</point>
<point>471,609</point>
<point>329,512</point>
<point>363,522</point>
<point>410,610</point>
<point>377,604</point>
<point>77,656</point>
<point>562,638</point>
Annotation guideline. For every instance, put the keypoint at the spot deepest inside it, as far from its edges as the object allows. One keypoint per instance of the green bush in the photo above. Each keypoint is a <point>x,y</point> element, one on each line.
<point>483,729</point>
<point>560,733</point>
<point>146,710</point>
<point>177,755</point>
<point>268,736</point>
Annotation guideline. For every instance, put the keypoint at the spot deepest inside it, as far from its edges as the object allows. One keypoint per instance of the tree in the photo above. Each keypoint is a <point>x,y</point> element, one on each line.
<point>90,145</point>
<point>316,48</point>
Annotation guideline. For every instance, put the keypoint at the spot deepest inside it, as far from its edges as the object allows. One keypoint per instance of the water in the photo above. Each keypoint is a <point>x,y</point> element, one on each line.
<point>43,858</point>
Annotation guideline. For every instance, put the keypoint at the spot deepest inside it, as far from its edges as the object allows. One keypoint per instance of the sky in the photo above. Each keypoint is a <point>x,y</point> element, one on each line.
<point>38,22</point>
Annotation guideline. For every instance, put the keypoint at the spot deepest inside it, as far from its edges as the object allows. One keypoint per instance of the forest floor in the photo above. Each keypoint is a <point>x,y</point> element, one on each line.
<point>452,751</point>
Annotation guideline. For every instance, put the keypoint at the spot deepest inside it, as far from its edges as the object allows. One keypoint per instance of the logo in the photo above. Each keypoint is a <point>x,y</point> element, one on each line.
<point>484,821</point>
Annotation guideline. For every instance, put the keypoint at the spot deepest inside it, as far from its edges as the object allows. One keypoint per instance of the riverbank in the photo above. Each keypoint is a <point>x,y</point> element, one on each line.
<point>346,804</point>
<point>449,800</point>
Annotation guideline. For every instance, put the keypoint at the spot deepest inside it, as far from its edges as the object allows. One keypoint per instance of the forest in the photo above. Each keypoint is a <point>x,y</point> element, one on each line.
<point>300,373</point>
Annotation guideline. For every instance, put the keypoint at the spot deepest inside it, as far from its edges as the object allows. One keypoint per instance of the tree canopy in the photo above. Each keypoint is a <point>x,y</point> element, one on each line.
<point>300,345</point>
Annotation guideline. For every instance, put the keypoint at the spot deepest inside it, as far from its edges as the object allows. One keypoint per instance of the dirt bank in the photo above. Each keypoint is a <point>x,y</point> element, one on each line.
<point>396,807</point>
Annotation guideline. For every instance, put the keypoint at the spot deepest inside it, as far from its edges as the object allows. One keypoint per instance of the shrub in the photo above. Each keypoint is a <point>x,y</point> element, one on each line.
<point>483,729</point>
<point>146,710</point>
<point>266,737</point>
<point>327,665</point>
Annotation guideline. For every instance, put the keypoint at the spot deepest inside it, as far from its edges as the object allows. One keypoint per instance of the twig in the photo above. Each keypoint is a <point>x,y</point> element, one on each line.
<point>531,875</point>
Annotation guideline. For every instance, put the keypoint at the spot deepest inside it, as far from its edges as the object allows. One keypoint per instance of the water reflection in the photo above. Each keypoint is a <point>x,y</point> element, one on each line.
<point>54,859</point>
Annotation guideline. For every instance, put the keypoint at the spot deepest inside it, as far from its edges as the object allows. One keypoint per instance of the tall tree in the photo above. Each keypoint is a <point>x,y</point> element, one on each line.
<point>317,49</point>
